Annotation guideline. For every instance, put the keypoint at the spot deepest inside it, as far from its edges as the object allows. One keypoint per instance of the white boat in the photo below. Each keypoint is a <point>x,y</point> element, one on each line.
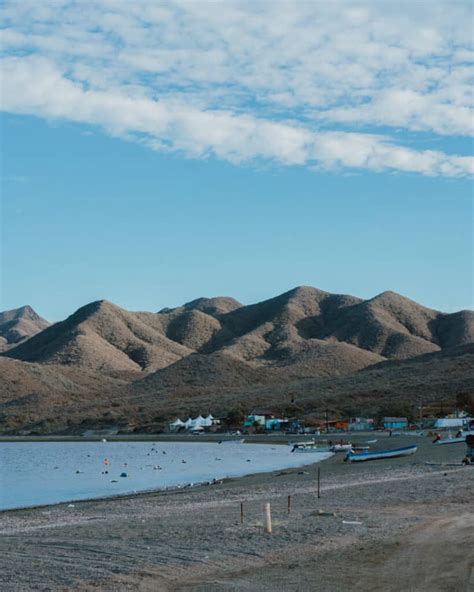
<point>455,439</point>
<point>309,447</point>
<point>380,454</point>
<point>341,447</point>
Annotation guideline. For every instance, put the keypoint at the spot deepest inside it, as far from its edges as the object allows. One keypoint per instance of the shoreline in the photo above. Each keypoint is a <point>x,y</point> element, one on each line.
<point>277,438</point>
<point>377,525</point>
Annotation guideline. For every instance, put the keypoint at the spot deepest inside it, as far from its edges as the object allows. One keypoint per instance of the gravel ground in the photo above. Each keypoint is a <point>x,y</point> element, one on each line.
<point>414,530</point>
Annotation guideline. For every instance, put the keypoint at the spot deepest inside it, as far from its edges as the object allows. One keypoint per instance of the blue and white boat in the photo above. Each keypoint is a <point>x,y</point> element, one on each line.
<point>380,454</point>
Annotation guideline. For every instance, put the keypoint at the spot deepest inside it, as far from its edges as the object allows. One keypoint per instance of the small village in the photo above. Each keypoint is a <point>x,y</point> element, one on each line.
<point>267,421</point>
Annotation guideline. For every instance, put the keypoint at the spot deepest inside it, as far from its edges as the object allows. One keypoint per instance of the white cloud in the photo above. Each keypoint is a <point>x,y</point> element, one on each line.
<point>296,83</point>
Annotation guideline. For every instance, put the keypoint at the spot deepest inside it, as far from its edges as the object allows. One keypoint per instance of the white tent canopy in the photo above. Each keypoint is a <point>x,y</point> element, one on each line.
<point>192,424</point>
<point>177,423</point>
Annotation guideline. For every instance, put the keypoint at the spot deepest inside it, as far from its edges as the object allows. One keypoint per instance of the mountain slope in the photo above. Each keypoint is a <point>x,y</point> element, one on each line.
<point>102,336</point>
<point>47,398</point>
<point>435,377</point>
<point>302,333</point>
<point>19,324</point>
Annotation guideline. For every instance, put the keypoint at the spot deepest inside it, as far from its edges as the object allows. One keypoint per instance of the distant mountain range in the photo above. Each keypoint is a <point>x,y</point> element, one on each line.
<point>18,325</point>
<point>209,351</point>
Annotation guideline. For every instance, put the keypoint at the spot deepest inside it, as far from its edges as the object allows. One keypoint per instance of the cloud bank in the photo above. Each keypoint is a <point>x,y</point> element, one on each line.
<point>329,86</point>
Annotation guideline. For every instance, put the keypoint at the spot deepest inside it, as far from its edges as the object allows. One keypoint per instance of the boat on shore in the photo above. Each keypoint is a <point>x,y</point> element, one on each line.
<point>341,447</point>
<point>310,447</point>
<point>353,456</point>
<point>319,447</point>
<point>450,439</point>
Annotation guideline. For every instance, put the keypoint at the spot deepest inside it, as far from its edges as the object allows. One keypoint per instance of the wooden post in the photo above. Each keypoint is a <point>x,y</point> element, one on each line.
<point>289,504</point>
<point>241,513</point>
<point>319,482</point>
<point>267,519</point>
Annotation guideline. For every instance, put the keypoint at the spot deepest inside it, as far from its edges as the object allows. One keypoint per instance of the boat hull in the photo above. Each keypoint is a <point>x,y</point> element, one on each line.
<point>451,441</point>
<point>381,455</point>
<point>310,449</point>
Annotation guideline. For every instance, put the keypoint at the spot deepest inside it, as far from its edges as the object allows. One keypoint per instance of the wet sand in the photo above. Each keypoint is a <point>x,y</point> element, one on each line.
<point>415,533</point>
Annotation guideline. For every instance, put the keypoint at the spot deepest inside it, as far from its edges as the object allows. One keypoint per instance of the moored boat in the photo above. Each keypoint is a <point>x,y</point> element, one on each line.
<point>341,447</point>
<point>380,454</point>
<point>309,447</point>
<point>450,439</point>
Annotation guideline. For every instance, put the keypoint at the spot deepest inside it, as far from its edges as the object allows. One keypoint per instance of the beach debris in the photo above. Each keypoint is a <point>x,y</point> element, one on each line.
<point>70,506</point>
<point>104,440</point>
<point>123,475</point>
<point>352,522</point>
<point>323,513</point>
<point>303,473</point>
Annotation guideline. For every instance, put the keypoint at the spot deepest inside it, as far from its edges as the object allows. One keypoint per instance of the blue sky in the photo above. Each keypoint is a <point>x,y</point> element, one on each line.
<point>146,161</point>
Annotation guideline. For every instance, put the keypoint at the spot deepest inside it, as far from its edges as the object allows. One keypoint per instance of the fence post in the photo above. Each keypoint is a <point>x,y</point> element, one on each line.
<point>241,513</point>
<point>267,519</point>
<point>289,504</point>
<point>319,482</point>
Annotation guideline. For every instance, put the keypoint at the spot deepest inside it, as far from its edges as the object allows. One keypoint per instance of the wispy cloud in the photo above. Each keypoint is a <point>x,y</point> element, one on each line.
<point>296,83</point>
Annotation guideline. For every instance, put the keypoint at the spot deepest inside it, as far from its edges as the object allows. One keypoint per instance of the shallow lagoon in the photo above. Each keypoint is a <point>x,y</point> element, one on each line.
<point>38,473</point>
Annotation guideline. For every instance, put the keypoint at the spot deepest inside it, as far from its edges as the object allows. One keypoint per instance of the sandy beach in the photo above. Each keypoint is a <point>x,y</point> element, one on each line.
<point>391,525</point>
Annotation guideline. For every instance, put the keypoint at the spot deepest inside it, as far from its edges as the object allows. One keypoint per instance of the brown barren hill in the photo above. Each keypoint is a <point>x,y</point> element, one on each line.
<point>19,324</point>
<point>102,336</point>
<point>213,371</point>
<point>217,352</point>
<point>389,324</point>
<point>432,378</point>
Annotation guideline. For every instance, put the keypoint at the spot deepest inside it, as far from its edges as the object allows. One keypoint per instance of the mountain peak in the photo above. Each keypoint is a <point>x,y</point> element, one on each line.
<point>211,306</point>
<point>19,324</point>
<point>23,312</point>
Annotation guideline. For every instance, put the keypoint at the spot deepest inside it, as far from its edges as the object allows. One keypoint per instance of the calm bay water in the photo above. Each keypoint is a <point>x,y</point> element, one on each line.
<point>36,473</point>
